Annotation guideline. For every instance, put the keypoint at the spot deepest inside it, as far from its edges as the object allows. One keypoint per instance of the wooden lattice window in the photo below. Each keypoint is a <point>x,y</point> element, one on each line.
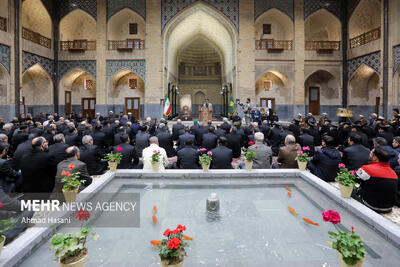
<point>132,83</point>
<point>133,28</point>
<point>266,28</point>
<point>88,84</point>
<point>267,85</point>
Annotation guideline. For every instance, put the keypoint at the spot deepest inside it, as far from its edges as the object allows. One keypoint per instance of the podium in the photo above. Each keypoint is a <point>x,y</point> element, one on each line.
<point>205,114</point>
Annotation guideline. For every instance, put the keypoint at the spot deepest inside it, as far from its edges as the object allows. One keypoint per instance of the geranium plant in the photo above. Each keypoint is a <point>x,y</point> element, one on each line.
<point>205,158</point>
<point>6,224</point>
<point>70,247</point>
<point>71,180</point>
<point>250,155</point>
<point>348,244</point>
<point>113,157</point>
<point>346,177</point>
<point>302,155</point>
<point>155,157</point>
<point>172,247</point>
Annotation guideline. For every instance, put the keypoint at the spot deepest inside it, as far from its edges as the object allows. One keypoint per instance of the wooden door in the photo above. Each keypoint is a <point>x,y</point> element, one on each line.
<point>268,103</point>
<point>132,104</point>
<point>68,105</point>
<point>314,100</point>
<point>377,104</point>
<point>88,107</point>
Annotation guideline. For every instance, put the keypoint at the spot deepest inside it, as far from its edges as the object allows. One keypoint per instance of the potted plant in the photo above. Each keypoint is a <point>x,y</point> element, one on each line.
<point>250,156</point>
<point>5,225</point>
<point>205,159</point>
<point>70,247</point>
<point>172,248</point>
<point>71,184</point>
<point>155,160</point>
<point>113,160</point>
<point>349,246</point>
<point>302,158</point>
<point>347,180</point>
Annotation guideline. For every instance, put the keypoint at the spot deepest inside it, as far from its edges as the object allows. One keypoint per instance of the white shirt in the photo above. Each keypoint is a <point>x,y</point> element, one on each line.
<point>148,152</point>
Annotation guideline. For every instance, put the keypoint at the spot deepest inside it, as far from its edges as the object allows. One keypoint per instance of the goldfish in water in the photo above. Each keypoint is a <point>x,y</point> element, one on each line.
<point>155,209</point>
<point>154,219</point>
<point>186,237</point>
<point>288,188</point>
<point>310,222</point>
<point>293,211</point>
<point>289,194</point>
<point>155,243</point>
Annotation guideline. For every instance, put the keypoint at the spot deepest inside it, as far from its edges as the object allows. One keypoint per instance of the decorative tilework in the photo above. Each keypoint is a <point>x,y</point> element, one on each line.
<point>136,66</point>
<point>286,6</point>
<point>372,60</point>
<point>113,6</point>
<point>333,6</point>
<point>230,8</point>
<point>29,59</point>
<point>65,66</point>
<point>396,58</point>
<point>5,56</point>
<point>48,4</point>
<point>66,6</point>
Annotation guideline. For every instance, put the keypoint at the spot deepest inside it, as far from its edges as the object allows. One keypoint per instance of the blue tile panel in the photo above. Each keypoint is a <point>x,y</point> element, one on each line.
<point>65,66</point>
<point>261,6</point>
<point>372,60</point>
<point>30,59</point>
<point>136,66</point>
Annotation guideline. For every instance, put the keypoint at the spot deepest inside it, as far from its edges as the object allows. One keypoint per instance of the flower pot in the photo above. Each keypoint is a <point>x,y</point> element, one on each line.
<point>155,166</point>
<point>206,167</point>
<point>345,191</point>
<point>70,195</point>
<point>302,165</point>
<point>166,264</point>
<point>112,165</point>
<point>249,165</point>
<point>2,243</point>
<point>343,264</point>
<point>79,263</point>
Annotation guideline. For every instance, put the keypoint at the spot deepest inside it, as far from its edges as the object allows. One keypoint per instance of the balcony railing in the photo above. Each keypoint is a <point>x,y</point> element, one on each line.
<point>323,45</point>
<point>365,38</point>
<point>77,45</point>
<point>126,45</point>
<point>3,24</point>
<point>271,44</point>
<point>36,38</point>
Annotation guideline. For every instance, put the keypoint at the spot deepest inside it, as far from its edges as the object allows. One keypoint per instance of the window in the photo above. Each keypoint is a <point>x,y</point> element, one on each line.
<point>266,28</point>
<point>132,83</point>
<point>133,28</point>
<point>267,85</point>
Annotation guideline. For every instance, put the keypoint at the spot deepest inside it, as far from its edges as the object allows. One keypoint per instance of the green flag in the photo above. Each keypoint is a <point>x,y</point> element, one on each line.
<point>232,108</point>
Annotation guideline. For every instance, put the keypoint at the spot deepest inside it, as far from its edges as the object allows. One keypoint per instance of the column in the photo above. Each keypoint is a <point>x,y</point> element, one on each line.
<point>17,55</point>
<point>299,55</point>
<point>101,49</point>
<point>385,56</point>
<point>56,37</point>
<point>344,44</point>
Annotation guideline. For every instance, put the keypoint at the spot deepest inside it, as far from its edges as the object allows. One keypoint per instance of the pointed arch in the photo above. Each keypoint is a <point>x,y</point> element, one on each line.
<point>281,25</point>
<point>364,86</point>
<point>77,24</point>
<point>36,17</point>
<point>322,25</point>
<point>4,85</point>
<point>118,25</point>
<point>278,87</point>
<point>366,17</point>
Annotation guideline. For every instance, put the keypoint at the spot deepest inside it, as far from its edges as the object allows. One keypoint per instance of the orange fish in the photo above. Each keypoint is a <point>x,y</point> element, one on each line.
<point>154,219</point>
<point>293,211</point>
<point>155,243</point>
<point>155,209</point>
<point>310,222</point>
<point>186,237</point>
<point>289,194</point>
<point>288,188</point>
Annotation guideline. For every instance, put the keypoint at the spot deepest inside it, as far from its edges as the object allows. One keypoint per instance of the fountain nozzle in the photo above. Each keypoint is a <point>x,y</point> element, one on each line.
<point>213,202</point>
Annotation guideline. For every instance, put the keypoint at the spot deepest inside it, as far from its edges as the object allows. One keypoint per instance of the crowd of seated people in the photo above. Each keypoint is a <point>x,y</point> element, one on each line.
<point>35,150</point>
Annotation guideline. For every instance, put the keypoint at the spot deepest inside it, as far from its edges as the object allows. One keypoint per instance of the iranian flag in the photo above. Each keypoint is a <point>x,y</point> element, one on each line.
<point>167,106</point>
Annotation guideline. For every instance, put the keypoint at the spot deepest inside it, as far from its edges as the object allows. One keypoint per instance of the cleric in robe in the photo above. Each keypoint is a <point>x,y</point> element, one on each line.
<point>207,104</point>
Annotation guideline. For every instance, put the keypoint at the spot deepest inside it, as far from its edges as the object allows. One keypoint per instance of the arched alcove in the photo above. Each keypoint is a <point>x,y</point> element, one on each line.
<point>322,89</point>
<point>4,9</point>
<point>118,25</point>
<point>396,88</point>
<point>77,25</point>
<point>366,17</point>
<point>4,85</point>
<point>35,17</point>
<point>281,25</point>
<point>322,26</point>
<point>37,90</point>
<point>274,86</point>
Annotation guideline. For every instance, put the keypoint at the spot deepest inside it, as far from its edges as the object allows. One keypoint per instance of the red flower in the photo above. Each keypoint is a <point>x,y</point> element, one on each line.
<point>1,204</point>
<point>167,232</point>
<point>82,215</point>
<point>181,228</point>
<point>65,173</point>
<point>331,216</point>
<point>119,149</point>
<point>174,243</point>
<point>71,166</point>
<point>251,143</point>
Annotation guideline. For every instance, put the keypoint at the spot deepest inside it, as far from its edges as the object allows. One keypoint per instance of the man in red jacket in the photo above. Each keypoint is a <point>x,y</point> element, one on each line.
<point>379,182</point>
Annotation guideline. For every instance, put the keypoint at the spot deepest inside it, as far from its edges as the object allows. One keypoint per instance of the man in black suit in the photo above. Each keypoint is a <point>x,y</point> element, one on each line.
<point>220,132</point>
<point>188,157</point>
<point>306,140</point>
<point>234,142</point>
<point>38,129</point>
<point>19,137</point>
<point>38,168</point>
<point>130,159</point>
<point>221,155</point>
<point>177,130</point>
<point>165,141</point>
<point>92,156</point>
<point>117,136</point>
<point>275,138</point>
<point>226,126</point>
<point>295,127</point>
<point>108,130</point>
<point>210,139</point>
<point>9,178</point>
<point>72,137</point>
<point>383,132</point>
<point>203,129</point>
<point>182,139</point>
<point>99,138</point>
<point>57,150</point>
<point>142,140</point>
<point>356,155</point>
<point>22,149</point>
